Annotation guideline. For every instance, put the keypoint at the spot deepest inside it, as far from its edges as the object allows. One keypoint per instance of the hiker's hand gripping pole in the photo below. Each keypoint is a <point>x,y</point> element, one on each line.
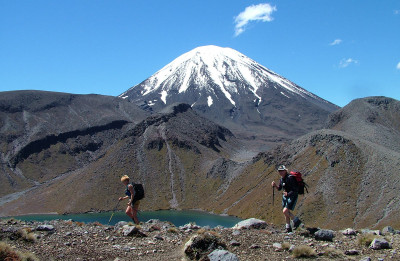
<point>273,191</point>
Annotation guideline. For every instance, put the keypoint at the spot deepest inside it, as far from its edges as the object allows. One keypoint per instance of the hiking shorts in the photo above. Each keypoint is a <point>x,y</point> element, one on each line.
<point>289,202</point>
<point>135,204</point>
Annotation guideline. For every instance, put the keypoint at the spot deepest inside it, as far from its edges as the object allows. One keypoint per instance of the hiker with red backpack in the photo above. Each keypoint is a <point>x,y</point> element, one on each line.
<point>132,194</point>
<point>290,188</point>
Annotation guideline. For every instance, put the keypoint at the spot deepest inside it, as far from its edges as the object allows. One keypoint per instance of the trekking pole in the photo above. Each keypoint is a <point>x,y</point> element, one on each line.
<point>273,195</point>
<point>113,213</point>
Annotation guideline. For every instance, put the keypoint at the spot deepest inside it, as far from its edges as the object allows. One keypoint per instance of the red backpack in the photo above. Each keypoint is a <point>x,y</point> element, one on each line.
<point>301,185</point>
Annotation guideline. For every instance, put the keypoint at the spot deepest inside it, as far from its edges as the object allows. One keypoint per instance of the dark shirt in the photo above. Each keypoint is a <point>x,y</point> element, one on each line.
<point>289,185</point>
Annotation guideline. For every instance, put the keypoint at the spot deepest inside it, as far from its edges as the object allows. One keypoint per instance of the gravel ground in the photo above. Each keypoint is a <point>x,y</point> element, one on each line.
<point>69,240</point>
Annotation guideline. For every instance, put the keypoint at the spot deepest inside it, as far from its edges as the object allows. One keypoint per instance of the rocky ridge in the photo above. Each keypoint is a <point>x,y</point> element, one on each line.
<point>158,240</point>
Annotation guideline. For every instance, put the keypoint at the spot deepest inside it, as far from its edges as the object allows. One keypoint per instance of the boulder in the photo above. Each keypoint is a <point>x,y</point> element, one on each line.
<point>388,230</point>
<point>200,245</point>
<point>222,255</point>
<point>45,228</point>
<point>132,231</point>
<point>324,234</point>
<point>349,232</point>
<point>379,243</point>
<point>369,231</point>
<point>251,223</point>
<point>190,226</point>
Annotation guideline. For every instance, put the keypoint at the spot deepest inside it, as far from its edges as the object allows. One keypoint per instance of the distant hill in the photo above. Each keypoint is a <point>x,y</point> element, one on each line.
<point>376,119</point>
<point>353,175</point>
<point>45,134</point>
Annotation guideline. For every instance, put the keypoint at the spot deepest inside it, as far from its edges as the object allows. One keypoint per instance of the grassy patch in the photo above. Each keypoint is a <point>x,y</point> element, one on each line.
<point>304,251</point>
<point>27,235</point>
<point>8,253</point>
<point>333,253</point>
<point>366,239</point>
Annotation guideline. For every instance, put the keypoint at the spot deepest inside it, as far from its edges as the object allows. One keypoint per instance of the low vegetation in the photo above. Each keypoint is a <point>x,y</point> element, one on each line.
<point>304,251</point>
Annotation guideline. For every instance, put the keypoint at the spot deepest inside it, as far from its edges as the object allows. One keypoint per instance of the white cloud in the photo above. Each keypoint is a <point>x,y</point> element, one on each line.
<point>336,42</point>
<point>260,12</point>
<point>396,12</point>
<point>398,66</point>
<point>346,62</point>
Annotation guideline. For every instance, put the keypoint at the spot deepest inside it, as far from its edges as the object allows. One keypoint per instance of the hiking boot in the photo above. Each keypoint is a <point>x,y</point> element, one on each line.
<point>288,230</point>
<point>296,223</point>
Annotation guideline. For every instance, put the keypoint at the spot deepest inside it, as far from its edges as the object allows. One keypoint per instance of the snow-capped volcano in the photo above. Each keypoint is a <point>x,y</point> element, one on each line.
<point>208,68</point>
<point>231,89</point>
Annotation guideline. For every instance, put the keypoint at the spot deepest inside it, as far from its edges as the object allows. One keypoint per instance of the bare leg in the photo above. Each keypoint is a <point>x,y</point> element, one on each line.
<point>288,215</point>
<point>129,212</point>
<point>134,215</point>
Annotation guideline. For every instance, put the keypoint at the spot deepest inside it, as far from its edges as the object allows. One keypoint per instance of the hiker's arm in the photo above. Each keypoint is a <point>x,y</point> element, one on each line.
<point>122,198</point>
<point>273,184</point>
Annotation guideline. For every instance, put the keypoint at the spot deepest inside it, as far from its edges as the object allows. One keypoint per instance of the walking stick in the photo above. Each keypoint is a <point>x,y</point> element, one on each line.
<point>113,212</point>
<point>273,195</point>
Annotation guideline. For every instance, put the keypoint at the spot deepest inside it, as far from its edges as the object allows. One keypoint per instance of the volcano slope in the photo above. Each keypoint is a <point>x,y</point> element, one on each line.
<point>177,155</point>
<point>352,171</point>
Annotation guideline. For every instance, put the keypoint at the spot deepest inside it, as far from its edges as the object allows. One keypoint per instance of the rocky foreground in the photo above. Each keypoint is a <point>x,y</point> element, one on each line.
<point>156,240</point>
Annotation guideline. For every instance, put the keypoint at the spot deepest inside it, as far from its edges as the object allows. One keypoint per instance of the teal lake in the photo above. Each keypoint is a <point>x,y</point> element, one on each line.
<point>177,217</point>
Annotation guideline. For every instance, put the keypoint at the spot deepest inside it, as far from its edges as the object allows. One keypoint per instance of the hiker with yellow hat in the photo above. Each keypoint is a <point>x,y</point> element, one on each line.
<point>133,205</point>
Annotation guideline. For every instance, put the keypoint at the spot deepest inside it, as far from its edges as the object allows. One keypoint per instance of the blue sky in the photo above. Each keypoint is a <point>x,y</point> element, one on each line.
<point>339,50</point>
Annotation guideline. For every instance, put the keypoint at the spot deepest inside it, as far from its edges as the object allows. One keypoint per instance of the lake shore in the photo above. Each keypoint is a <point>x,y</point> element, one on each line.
<point>177,217</point>
<point>159,240</point>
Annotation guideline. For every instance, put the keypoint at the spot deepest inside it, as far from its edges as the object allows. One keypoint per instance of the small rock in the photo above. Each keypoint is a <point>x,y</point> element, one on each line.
<point>379,243</point>
<point>324,234</point>
<point>277,247</point>
<point>153,221</point>
<point>352,252</point>
<point>234,243</point>
<point>158,237</point>
<point>254,246</point>
<point>236,233</point>
<point>120,224</point>
<point>251,223</point>
<point>222,255</point>
<point>366,259</point>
